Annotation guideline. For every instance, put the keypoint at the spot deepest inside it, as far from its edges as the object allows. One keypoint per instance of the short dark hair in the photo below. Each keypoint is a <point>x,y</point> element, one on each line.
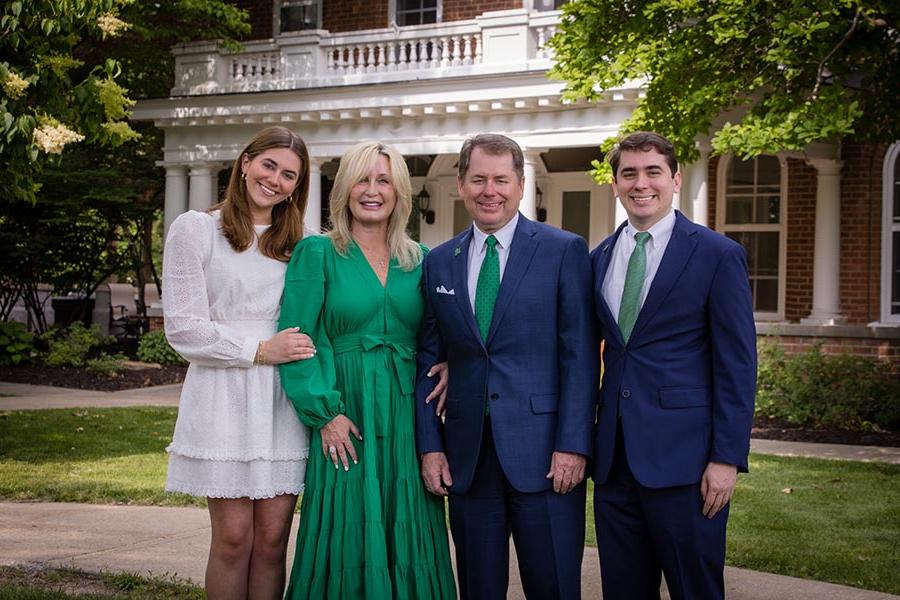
<point>643,141</point>
<point>495,145</point>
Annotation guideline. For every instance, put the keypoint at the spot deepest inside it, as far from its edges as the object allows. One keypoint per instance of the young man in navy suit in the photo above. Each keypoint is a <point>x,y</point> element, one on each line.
<point>508,305</point>
<point>676,401</point>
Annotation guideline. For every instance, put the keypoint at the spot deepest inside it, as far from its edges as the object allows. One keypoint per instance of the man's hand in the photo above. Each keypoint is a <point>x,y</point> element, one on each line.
<point>716,487</point>
<point>436,473</point>
<point>566,471</point>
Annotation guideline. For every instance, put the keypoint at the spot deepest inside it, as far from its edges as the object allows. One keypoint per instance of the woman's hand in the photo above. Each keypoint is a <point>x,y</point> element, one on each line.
<point>440,388</point>
<point>336,443</point>
<point>288,345</point>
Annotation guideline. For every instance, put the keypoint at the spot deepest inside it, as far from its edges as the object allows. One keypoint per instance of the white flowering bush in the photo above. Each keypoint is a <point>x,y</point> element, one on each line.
<point>52,136</point>
<point>14,86</point>
<point>111,25</point>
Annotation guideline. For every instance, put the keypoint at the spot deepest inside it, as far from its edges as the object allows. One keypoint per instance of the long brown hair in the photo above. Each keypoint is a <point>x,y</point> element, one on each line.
<point>287,216</point>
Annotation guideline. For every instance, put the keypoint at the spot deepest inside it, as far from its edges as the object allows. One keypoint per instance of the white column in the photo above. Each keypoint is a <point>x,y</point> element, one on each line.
<point>695,189</point>
<point>202,190</point>
<point>827,260</point>
<point>313,217</point>
<point>528,206</point>
<point>176,201</point>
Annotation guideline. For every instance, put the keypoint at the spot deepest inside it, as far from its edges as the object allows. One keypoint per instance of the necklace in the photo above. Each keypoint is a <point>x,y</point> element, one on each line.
<point>379,261</point>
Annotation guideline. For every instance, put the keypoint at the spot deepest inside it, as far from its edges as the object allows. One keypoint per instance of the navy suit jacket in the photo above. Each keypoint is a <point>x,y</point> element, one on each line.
<point>686,381</point>
<point>537,368</point>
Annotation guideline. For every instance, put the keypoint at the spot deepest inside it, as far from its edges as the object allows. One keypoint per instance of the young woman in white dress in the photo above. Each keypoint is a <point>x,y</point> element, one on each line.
<point>237,439</point>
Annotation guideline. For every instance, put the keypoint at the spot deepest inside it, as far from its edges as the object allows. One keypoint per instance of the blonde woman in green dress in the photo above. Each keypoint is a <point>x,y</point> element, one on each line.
<point>368,528</point>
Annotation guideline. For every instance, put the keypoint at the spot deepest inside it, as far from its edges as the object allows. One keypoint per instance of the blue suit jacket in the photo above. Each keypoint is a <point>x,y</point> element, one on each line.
<point>538,367</point>
<point>686,381</point>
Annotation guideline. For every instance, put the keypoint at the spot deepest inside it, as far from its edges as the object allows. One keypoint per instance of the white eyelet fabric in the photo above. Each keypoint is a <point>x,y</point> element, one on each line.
<point>237,434</point>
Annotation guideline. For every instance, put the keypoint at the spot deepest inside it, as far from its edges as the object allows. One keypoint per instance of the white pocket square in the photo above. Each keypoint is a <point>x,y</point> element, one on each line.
<point>442,290</point>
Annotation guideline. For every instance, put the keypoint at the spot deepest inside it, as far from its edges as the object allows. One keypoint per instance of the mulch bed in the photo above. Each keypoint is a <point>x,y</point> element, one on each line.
<point>82,379</point>
<point>131,378</point>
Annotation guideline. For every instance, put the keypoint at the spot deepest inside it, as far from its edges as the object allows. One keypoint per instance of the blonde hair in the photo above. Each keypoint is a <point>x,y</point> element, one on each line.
<point>287,216</point>
<point>355,165</point>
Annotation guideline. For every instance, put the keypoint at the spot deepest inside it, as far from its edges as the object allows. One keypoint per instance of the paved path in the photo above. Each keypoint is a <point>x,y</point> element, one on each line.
<point>164,540</point>
<point>160,540</point>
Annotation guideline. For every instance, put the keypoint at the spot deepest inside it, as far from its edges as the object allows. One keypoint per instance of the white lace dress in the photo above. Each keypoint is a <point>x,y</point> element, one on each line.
<point>237,435</point>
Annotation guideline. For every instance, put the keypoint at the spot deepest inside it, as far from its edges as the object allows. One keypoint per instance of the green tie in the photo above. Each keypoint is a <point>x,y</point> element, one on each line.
<point>634,283</point>
<point>488,285</point>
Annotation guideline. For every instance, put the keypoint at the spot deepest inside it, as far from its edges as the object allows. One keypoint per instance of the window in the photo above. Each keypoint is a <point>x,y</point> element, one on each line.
<point>297,15</point>
<point>890,253</point>
<point>544,5</point>
<point>751,211</point>
<point>418,12</point>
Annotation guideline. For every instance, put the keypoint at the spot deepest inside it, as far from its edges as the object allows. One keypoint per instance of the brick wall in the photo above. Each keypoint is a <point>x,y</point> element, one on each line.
<point>801,230</point>
<point>460,10</point>
<point>861,200</point>
<point>340,16</point>
<point>711,191</point>
<point>887,350</point>
<point>261,17</point>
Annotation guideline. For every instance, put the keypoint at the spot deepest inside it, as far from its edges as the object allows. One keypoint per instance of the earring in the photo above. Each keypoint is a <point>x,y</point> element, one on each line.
<point>244,177</point>
<point>288,199</point>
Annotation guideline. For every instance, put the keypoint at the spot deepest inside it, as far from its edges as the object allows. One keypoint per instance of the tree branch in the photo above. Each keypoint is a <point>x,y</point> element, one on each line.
<point>821,69</point>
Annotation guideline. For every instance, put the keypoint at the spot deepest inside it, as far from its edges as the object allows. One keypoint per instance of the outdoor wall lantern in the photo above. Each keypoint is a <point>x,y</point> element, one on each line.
<point>540,211</point>
<point>425,205</point>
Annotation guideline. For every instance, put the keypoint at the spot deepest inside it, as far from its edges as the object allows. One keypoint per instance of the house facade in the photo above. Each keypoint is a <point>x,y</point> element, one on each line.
<point>821,227</point>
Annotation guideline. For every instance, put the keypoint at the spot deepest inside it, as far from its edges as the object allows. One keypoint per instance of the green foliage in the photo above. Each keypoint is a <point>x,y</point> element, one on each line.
<point>822,390</point>
<point>783,74</point>
<point>106,364</point>
<point>72,346</point>
<point>16,343</point>
<point>153,347</point>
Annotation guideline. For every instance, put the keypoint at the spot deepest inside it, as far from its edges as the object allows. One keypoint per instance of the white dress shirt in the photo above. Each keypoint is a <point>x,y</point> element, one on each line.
<point>478,248</point>
<point>614,282</point>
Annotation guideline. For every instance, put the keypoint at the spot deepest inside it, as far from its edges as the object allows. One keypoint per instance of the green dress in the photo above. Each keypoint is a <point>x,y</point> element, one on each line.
<point>373,531</point>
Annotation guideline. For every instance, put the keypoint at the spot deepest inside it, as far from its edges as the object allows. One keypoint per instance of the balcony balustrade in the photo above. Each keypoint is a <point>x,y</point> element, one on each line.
<point>495,42</point>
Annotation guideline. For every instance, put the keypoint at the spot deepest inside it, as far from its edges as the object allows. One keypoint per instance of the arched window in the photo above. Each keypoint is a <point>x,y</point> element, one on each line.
<point>751,210</point>
<point>890,238</point>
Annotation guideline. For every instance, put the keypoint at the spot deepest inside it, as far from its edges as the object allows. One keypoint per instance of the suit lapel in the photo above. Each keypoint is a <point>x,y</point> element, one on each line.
<point>459,268</point>
<point>604,258</point>
<point>521,252</point>
<point>678,251</point>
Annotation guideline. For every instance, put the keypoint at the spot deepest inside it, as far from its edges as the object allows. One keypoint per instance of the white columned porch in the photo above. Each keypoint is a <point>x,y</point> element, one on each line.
<point>827,260</point>
<point>695,189</point>
<point>202,191</point>
<point>528,206</point>
<point>313,217</point>
<point>176,199</point>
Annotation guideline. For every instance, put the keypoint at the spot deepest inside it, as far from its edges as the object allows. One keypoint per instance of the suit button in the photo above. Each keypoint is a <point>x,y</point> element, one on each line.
<point>626,393</point>
<point>495,396</point>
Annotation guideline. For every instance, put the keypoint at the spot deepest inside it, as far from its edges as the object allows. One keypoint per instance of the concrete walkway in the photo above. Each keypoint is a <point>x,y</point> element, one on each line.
<point>175,541</point>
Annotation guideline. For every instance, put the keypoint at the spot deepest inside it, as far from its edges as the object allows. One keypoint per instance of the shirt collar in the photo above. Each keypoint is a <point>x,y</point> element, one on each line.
<point>660,232</point>
<point>504,235</point>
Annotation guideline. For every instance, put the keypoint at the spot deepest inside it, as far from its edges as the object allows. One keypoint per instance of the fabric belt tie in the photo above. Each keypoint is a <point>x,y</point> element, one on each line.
<point>380,352</point>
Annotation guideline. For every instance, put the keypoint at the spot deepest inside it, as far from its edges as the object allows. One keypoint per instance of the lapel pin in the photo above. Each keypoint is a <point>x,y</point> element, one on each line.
<point>456,251</point>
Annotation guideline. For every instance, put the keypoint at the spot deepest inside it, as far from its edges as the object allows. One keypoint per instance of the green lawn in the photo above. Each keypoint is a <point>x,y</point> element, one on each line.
<point>839,523</point>
<point>69,584</point>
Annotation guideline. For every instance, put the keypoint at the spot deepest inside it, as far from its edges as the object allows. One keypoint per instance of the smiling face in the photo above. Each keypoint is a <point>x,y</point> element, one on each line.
<point>645,186</point>
<point>373,197</point>
<point>270,177</point>
<point>491,189</point>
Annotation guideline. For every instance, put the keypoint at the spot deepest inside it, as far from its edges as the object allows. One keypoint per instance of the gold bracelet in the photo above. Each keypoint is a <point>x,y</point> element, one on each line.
<point>260,358</point>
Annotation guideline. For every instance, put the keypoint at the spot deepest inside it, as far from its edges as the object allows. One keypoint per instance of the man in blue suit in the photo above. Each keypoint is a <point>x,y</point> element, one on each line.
<point>674,306</point>
<point>508,305</point>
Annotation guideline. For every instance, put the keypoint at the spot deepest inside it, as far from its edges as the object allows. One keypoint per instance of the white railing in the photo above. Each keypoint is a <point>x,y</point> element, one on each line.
<point>492,43</point>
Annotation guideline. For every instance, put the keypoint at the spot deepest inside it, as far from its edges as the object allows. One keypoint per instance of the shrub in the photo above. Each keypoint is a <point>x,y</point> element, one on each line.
<point>106,364</point>
<point>73,345</point>
<point>16,343</point>
<point>155,348</point>
<point>827,390</point>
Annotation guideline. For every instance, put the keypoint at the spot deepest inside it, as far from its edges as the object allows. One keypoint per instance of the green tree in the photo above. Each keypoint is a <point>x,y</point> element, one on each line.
<point>783,74</point>
<point>82,187</point>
